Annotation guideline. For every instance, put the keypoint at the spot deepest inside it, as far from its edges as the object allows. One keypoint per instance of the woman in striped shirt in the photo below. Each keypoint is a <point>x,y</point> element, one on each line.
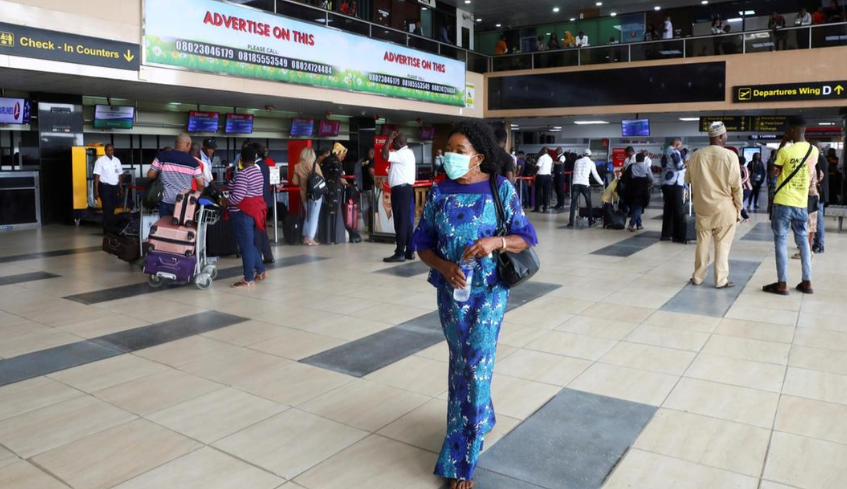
<point>248,213</point>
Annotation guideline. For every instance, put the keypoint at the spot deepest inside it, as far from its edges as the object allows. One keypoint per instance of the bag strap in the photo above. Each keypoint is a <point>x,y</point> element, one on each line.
<point>498,205</point>
<point>800,166</point>
<point>314,168</point>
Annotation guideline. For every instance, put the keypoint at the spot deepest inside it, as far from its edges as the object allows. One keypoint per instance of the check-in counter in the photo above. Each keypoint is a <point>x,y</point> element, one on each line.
<point>20,204</point>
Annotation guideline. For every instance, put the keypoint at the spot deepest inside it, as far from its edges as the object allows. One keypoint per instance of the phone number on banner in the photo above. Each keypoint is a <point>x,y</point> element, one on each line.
<point>212,51</point>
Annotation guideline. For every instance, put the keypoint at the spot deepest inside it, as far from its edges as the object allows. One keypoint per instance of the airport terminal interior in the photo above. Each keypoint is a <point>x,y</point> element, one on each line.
<point>155,335</point>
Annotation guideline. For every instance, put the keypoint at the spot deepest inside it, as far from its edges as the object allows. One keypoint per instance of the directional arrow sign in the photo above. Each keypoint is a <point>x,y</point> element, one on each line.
<point>28,42</point>
<point>787,92</point>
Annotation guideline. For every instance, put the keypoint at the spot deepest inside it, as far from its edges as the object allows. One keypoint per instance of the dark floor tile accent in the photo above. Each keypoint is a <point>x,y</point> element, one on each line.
<point>165,332</point>
<point>406,270</point>
<point>583,436</point>
<point>133,290</point>
<point>48,254</point>
<point>371,353</point>
<point>705,299</point>
<point>659,217</point>
<point>631,245</point>
<point>760,232</point>
<point>52,360</point>
<point>26,277</point>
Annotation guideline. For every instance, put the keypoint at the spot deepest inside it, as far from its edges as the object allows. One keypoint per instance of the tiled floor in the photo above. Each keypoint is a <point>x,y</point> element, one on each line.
<point>611,371</point>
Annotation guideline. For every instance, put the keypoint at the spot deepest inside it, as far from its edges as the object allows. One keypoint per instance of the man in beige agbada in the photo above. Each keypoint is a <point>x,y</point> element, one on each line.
<point>715,177</point>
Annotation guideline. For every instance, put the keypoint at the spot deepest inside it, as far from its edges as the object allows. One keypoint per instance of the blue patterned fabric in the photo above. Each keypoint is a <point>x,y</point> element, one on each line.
<point>454,217</point>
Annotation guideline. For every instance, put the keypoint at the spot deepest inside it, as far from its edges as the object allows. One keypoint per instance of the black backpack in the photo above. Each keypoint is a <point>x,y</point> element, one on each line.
<point>316,186</point>
<point>153,194</point>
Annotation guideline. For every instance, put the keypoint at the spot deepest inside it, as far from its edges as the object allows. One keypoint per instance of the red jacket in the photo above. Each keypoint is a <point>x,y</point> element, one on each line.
<point>256,208</point>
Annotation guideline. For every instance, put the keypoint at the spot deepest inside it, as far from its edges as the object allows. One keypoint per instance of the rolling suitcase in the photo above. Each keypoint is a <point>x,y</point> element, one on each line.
<point>185,208</point>
<point>220,239</point>
<point>351,214</point>
<point>687,226</point>
<point>124,247</point>
<point>292,229</point>
<point>169,238</point>
<point>613,218</point>
<point>170,266</point>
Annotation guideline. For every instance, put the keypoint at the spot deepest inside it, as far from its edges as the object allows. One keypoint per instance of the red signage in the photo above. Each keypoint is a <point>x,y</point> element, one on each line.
<point>618,157</point>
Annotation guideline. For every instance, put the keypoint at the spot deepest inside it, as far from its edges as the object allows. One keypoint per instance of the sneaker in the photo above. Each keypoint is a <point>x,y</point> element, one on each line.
<point>394,259</point>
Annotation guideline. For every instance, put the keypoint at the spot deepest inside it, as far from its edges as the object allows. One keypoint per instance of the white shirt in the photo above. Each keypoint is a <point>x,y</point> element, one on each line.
<point>402,169</point>
<point>545,164</point>
<point>631,160</point>
<point>581,41</point>
<point>582,169</point>
<point>668,34</point>
<point>803,20</point>
<point>207,168</point>
<point>109,169</point>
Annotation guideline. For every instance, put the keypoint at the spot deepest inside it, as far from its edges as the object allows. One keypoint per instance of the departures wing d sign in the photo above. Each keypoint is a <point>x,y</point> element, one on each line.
<point>788,92</point>
<point>28,42</point>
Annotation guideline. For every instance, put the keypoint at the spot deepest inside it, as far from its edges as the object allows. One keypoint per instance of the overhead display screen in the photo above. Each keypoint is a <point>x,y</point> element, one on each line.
<point>635,128</point>
<point>239,124</point>
<point>327,128</point>
<point>14,111</point>
<point>698,82</point>
<point>302,127</point>
<point>113,117</point>
<point>203,121</point>
<point>226,38</point>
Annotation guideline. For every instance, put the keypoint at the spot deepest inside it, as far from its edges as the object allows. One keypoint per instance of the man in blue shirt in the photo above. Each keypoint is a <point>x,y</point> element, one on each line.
<point>673,188</point>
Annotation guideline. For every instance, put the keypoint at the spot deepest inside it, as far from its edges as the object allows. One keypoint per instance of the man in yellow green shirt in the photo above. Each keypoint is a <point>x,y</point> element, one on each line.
<point>793,168</point>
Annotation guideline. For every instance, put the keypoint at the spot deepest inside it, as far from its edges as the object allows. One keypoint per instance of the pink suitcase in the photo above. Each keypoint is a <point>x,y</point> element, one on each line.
<point>351,214</point>
<point>185,208</point>
<point>169,238</point>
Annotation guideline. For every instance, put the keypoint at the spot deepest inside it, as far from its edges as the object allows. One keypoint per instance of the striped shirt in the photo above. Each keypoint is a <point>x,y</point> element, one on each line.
<point>176,169</point>
<point>247,183</point>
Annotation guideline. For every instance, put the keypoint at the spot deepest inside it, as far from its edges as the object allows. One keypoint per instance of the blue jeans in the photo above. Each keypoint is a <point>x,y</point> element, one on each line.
<point>795,218</point>
<point>313,212</point>
<point>635,215</point>
<point>821,231</point>
<point>165,209</point>
<point>245,231</point>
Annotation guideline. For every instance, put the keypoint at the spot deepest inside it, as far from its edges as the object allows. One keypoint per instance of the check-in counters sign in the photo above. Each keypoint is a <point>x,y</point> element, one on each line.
<point>16,40</point>
<point>787,92</point>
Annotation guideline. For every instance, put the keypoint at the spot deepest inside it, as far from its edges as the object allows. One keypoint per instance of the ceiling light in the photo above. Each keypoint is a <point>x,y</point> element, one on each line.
<point>424,8</point>
<point>599,4</point>
<point>735,19</point>
<point>573,19</point>
<point>614,14</point>
<point>826,124</point>
<point>705,2</point>
<point>498,25</point>
<point>467,2</point>
<point>747,12</point>
<point>689,119</point>
<point>555,9</point>
<point>557,127</point>
<point>479,20</point>
<point>657,8</point>
<point>589,123</point>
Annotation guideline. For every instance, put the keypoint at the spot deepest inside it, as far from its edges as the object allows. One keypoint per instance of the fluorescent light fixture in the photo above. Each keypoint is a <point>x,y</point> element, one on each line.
<point>557,127</point>
<point>498,25</point>
<point>657,8</point>
<point>555,9</point>
<point>467,2</point>
<point>735,19</point>
<point>705,2</point>
<point>547,34</point>
<point>671,52</point>
<point>572,19</point>
<point>826,124</point>
<point>746,12</point>
<point>589,123</point>
<point>689,119</point>
<point>424,8</point>
<point>479,20</point>
<point>614,14</point>
<point>599,4</point>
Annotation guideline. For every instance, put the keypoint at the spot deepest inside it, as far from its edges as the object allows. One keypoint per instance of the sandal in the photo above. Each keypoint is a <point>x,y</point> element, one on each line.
<point>806,289</point>
<point>774,289</point>
<point>727,285</point>
<point>261,276</point>
<point>243,283</point>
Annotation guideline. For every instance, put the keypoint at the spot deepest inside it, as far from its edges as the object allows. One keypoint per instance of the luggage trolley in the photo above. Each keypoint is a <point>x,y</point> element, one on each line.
<point>205,271</point>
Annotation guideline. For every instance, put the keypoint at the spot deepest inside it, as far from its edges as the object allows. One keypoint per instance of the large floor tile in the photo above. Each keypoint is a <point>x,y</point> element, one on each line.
<point>32,394</point>
<point>518,335</point>
<point>648,357</point>
<point>422,375</point>
<point>599,328</point>
<point>246,333</point>
<point>239,365</point>
<point>832,361</point>
<point>158,391</point>
<point>296,345</point>
<point>747,349</point>
<point>626,383</point>
<point>23,475</point>
<point>206,468</point>
<point>519,398</point>
<point>572,345</point>
<point>37,341</point>
<point>293,384</point>
<point>375,462</point>
<point>821,338</point>
<point>187,350</point>
<point>816,385</point>
<point>640,469</point>
<point>668,338</point>
<point>107,373</point>
<point>687,322</point>
<point>740,404</point>
<point>744,373</point>
<point>709,441</point>
<point>618,313</point>
<point>542,367</point>
<point>59,424</point>
<point>109,457</point>
<point>763,314</point>
<point>424,427</point>
<point>806,462</point>
<point>365,404</point>
<point>290,443</point>
<point>814,419</point>
<point>755,330</point>
<point>217,414</point>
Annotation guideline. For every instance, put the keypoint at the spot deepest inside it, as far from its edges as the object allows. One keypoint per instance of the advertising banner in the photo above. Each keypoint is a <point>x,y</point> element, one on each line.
<point>632,27</point>
<point>224,38</point>
<point>383,218</point>
<point>113,117</point>
<point>14,111</point>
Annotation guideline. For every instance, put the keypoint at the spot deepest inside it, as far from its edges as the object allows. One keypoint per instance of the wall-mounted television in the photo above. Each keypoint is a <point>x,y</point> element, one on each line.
<point>635,127</point>
<point>14,111</point>
<point>203,121</point>
<point>328,128</point>
<point>113,117</point>
<point>238,124</point>
<point>302,127</point>
<point>427,133</point>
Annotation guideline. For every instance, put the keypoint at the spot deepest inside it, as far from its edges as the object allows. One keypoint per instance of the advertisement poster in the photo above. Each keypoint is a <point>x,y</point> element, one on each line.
<point>219,37</point>
<point>632,27</point>
<point>14,111</point>
<point>470,95</point>
<point>383,216</point>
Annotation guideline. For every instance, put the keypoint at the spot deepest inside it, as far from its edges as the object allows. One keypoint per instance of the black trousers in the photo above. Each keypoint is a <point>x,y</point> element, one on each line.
<point>109,200</point>
<point>542,191</point>
<point>576,191</point>
<point>403,208</point>
<point>559,187</point>
<point>754,196</point>
<point>673,211</point>
<point>263,244</point>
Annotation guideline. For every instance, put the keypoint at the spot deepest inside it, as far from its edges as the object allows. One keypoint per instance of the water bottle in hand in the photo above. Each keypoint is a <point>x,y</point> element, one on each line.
<point>463,294</point>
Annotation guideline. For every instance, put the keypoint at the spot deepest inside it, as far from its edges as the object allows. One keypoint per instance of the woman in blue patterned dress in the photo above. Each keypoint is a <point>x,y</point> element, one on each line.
<point>458,224</point>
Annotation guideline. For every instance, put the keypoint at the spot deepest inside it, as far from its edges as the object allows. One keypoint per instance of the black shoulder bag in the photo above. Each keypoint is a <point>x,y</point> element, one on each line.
<point>316,185</point>
<point>514,268</point>
<point>785,182</point>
